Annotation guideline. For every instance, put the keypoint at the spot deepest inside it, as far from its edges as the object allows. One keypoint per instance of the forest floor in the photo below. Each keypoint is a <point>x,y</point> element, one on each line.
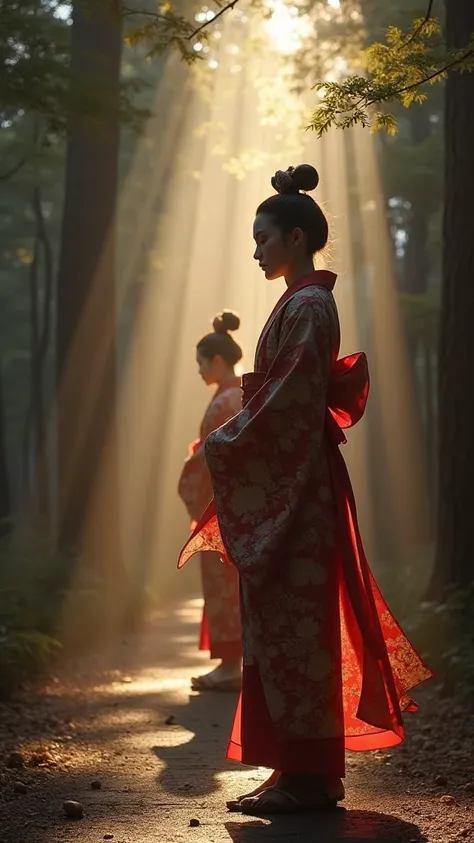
<point>120,733</point>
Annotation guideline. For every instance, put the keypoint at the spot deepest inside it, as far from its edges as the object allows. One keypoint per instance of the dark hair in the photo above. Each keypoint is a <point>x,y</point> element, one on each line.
<point>291,209</point>
<point>220,341</point>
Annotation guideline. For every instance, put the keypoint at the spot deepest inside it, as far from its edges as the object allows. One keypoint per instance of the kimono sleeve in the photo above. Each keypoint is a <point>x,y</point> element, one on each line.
<point>262,460</point>
<point>194,487</point>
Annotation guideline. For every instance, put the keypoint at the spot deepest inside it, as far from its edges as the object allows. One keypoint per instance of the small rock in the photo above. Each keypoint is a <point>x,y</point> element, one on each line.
<point>96,784</point>
<point>73,810</point>
<point>126,680</point>
<point>40,757</point>
<point>15,760</point>
<point>194,823</point>
<point>469,787</point>
<point>20,787</point>
<point>448,800</point>
<point>441,780</point>
<point>108,836</point>
<point>464,832</point>
<point>170,720</point>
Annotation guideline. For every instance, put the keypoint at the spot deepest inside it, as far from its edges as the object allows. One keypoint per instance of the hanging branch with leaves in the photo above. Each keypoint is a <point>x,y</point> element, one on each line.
<point>398,70</point>
<point>165,28</point>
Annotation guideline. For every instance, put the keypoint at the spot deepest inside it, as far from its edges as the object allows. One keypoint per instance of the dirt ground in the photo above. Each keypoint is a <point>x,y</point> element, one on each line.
<point>120,733</point>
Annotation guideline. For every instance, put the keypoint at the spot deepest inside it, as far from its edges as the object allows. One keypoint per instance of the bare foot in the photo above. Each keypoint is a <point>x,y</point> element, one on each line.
<point>272,780</point>
<point>293,793</point>
<point>227,673</point>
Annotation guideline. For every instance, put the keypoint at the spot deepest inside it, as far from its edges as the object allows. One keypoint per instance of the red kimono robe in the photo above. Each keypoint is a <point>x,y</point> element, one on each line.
<point>220,627</point>
<point>326,666</point>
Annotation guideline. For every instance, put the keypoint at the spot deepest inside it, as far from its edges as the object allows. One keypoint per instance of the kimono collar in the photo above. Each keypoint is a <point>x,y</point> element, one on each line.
<point>318,278</point>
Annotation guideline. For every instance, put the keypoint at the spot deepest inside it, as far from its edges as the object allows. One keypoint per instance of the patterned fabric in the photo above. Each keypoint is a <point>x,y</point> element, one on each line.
<point>195,487</point>
<point>220,628</point>
<point>332,660</point>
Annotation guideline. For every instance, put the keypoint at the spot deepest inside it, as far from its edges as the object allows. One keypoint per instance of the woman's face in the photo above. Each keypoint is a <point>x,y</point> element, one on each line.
<point>210,369</point>
<point>276,252</point>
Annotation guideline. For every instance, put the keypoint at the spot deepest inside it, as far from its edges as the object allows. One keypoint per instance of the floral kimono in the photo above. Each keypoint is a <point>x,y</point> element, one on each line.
<point>220,627</point>
<point>326,666</point>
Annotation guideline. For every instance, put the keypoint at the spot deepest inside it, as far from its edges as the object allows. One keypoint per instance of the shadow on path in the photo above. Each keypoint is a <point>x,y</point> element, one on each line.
<point>340,825</point>
<point>195,764</point>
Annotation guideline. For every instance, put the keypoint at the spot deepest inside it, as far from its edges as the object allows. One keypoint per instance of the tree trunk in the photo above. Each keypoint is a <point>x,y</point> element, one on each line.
<point>416,263</point>
<point>455,545</point>
<point>5,502</point>
<point>40,320</point>
<point>89,515</point>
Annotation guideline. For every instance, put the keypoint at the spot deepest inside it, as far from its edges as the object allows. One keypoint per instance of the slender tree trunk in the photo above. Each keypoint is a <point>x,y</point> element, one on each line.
<point>416,263</point>
<point>5,501</point>
<point>89,516</point>
<point>455,544</point>
<point>41,308</point>
<point>39,331</point>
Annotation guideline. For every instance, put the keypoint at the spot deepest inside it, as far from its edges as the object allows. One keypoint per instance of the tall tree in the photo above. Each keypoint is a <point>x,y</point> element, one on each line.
<point>86,310</point>
<point>5,500</point>
<point>455,546</point>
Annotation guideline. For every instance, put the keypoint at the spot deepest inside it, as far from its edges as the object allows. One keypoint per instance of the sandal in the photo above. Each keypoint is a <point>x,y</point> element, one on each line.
<point>286,803</point>
<point>207,683</point>
<point>233,805</point>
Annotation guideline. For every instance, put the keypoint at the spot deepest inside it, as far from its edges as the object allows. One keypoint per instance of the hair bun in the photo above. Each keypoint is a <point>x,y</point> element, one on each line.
<point>304,177</point>
<point>226,321</point>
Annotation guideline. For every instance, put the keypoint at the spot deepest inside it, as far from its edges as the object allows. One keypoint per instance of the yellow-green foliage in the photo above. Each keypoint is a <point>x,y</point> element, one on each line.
<point>398,70</point>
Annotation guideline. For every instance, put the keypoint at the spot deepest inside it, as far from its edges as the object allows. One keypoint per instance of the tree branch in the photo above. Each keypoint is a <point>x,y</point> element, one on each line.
<point>143,13</point>
<point>428,15</point>
<point>340,102</point>
<point>162,17</point>
<point>440,72</point>
<point>213,20</point>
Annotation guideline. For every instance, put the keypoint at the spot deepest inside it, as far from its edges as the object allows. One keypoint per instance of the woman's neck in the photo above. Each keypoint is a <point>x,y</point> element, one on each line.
<point>226,377</point>
<point>304,268</point>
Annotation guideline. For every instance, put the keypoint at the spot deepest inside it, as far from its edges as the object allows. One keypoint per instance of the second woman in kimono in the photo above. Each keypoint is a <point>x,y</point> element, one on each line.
<point>217,354</point>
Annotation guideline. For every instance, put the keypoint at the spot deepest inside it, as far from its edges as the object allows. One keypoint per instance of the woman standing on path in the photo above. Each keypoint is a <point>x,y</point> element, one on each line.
<point>326,666</point>
<point>217,355</point>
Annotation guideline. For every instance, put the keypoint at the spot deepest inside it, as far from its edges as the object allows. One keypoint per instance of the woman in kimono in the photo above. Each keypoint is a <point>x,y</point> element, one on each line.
<point>217,355</point>
<point>326,666</point>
